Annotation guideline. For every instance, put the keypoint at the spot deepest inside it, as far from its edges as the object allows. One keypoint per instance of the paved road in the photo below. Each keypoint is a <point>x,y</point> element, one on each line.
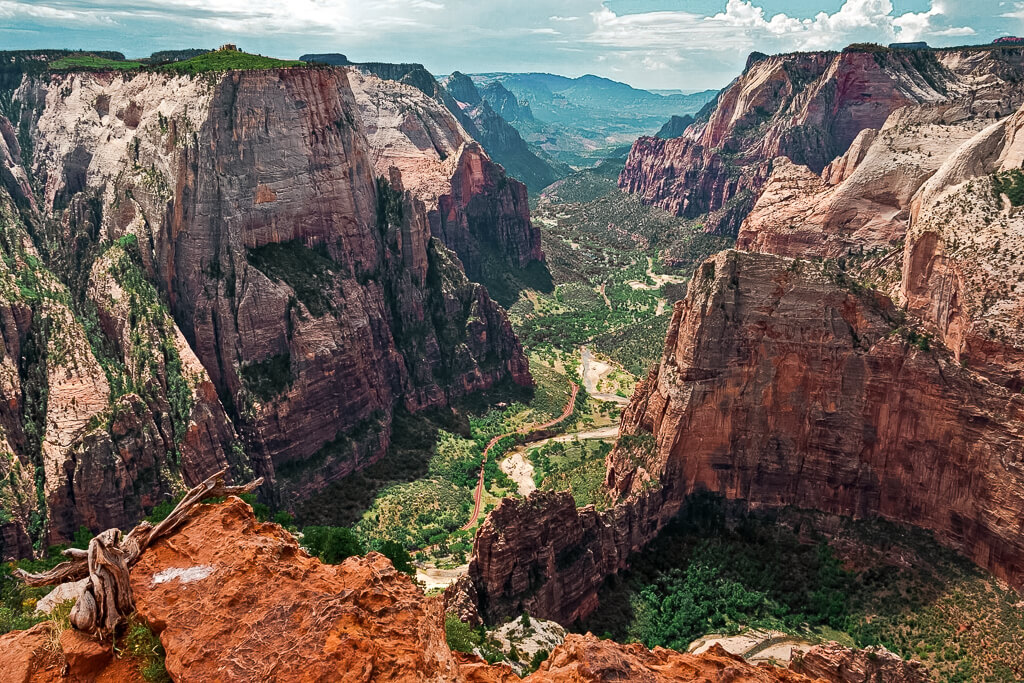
<point>522,430</point>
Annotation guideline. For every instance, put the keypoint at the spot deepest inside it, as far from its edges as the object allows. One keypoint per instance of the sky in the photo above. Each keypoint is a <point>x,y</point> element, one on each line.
<point>667,44</point>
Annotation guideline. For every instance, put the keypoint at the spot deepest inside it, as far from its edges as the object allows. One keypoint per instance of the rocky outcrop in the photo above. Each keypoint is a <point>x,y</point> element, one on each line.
<point>501,140</point>
<point>203,278</point>
<point>543,555</point>
<point>862,200</point>
<point>837,664</point>
<point>961,272</point>
<point>303,620</point>
<point>585,658</point>
<point>472,206</point>
<point>781,386</point>
<point>808,107</point>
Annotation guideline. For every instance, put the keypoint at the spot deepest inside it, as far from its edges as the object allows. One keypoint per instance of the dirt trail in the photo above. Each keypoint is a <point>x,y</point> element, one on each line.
<point>522,430</point>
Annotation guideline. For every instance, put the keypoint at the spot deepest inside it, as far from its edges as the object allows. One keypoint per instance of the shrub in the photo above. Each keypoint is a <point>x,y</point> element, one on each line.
<point>399,556</point>
<point>461,636</point>
<point>331,544</point>
<point>141,643</point>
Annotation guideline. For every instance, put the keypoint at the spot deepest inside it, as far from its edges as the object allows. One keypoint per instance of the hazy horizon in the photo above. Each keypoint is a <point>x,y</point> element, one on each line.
<point>654,44</point>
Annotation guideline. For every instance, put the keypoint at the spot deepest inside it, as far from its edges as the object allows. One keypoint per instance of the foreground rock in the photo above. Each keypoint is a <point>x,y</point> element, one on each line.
<point>236,600</point>
<point>833,662</point>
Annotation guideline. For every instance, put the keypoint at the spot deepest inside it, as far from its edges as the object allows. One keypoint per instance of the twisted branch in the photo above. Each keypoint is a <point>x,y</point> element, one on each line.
<point>107,597</point>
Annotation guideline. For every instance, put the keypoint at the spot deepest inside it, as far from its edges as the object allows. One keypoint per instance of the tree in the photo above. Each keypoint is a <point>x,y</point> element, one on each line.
<point>399,556</point>
<point>332,544</point>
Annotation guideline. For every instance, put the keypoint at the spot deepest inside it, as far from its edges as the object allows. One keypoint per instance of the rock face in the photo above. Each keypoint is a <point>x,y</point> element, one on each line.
<point>961,272</point>
<point>496,134</point>
<point>472,206</point>
<point>781,387</point>
<point>674,127</point>
<point>585,658</point>
<point>782,384</point>
<point>192,280</point>
<point>861,201</point>
<point>303,620</point>
<point>808,107</point>
<point>543,555</point>
<point>921,197</point>
<point>837,664</point>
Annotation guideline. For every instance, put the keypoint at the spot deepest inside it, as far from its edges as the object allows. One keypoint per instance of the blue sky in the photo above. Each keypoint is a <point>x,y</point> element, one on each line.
<point>687,44</point>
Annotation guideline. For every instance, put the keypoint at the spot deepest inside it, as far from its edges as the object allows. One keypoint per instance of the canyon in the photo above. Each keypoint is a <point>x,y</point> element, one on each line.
<point>269,270</point>
<point>860,357</point>
<point>181,293</point>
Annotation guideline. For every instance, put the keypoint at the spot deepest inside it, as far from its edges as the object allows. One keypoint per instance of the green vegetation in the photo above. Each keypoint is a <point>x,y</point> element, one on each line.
<point>226,60</point>
<point>142,644</point>
<point>718,569</point>
<point>575,466</point>
<point>1010,183</point>
<point>611,288</point>
<point>462,637</point>
<point>268,378</point>
<point>309,272</point>
<point>331,544</point>
<point>88,62</point>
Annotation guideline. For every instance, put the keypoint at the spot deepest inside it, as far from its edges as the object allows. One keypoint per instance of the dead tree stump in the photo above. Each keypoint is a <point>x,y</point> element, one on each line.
<point>107,598</point>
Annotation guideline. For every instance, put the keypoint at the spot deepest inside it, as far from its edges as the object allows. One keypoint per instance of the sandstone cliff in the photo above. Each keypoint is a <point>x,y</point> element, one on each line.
<point>808,107</point>
<point>472,206</point>
<point>783,383</point>
<point>501,140</point>
<point>779,386</point>
<point>303,620</point>
<point>201,281</point>
<point>921,209</point>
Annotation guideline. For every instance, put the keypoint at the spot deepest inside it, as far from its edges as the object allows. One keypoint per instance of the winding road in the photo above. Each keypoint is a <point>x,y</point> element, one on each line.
<point>522,430</point>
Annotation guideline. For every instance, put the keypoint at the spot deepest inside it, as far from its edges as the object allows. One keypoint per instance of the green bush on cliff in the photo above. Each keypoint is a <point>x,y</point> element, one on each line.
<point>332,544</point>
<point>227,60</point>
<point>1010,183</point>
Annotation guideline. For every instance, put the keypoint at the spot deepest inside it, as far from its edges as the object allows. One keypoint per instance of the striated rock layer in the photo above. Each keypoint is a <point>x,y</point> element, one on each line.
<point>303,620</point>
<point>808,107</point>
<point>218,254</point>
<point>471,205</point>
<point>780,386</point>
<point>833,662</point>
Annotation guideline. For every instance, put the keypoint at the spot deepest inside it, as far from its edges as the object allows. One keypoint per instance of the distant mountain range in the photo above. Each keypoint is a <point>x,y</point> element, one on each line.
<point>576,120</point>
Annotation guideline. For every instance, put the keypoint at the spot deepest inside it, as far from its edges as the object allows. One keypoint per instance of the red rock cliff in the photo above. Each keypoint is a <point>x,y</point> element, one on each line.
<point>780,387</point>
<point>808,107</point>
<point>306,300</point>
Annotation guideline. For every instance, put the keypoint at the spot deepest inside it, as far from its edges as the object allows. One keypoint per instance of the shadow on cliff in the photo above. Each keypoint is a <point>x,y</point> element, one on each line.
<point>414,440</point>
<point>505,283</point>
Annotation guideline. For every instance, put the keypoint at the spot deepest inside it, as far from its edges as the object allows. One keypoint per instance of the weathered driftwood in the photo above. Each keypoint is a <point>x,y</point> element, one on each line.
<point>107,596</point>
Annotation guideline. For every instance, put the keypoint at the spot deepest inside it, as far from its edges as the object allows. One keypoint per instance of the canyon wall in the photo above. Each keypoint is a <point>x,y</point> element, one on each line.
<point>783,383</point>
<point>781,386</point>
<point>196,256</point>
<point>809,108</point>
<point>471,205</point>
